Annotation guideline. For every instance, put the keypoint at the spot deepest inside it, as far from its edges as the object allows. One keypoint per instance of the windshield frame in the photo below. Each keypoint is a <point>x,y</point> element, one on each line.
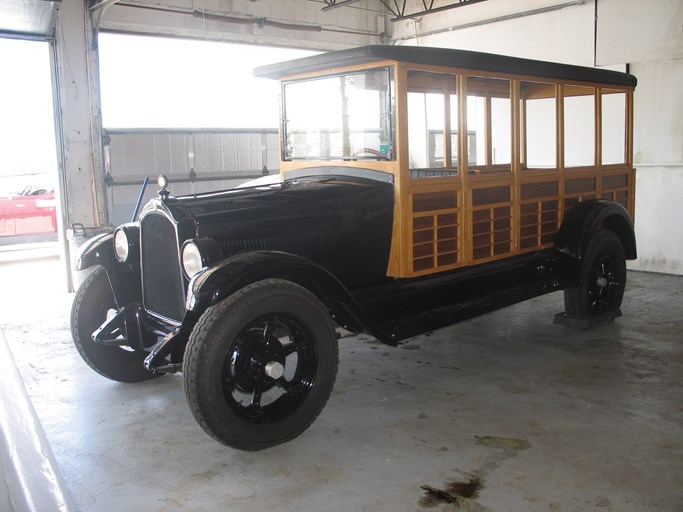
<point>386,150</point>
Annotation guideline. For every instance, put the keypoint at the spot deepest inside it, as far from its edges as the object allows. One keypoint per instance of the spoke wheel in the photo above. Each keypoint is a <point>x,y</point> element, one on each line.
<point>269,369</point>
<point>603,284</point>
<point>260,365</point>
<point>602,278</point>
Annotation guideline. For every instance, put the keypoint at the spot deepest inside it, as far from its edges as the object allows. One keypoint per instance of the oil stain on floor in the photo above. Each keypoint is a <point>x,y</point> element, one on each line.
<point>460,495</point>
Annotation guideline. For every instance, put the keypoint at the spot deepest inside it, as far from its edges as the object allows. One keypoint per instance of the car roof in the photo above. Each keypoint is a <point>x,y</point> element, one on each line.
<point>463,59</point>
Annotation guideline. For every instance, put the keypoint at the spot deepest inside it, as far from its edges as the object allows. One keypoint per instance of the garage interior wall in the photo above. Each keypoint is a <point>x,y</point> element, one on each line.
<point>218,160</point>
<point>646,36</point>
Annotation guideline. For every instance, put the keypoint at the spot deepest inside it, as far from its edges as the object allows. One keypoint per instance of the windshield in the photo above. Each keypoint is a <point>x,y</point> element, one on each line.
<point>341,117</point>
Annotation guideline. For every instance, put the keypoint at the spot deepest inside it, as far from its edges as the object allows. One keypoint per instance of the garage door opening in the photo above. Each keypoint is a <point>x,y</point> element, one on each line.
<point>28,157</point>
<point>160,82</point>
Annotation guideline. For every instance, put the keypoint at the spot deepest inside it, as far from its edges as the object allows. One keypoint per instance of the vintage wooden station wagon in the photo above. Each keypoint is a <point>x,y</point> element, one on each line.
<point>418,187</point>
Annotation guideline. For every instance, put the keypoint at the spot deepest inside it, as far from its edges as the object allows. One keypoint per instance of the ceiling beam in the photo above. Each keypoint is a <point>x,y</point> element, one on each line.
<point>332,4</point>
<point>399,11</point>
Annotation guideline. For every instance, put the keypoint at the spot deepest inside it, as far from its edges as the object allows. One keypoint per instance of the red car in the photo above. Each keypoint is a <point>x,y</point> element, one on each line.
<point>32,211</point>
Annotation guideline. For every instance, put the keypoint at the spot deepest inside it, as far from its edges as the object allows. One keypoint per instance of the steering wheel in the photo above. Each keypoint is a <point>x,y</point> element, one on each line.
<point>370,151</point>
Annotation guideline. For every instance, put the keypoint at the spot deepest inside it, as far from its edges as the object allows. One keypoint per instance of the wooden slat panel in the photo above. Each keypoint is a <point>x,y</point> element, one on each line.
<point>433,201</point>
<point>435,235</point>
<point>539,222</point>
<point>537,190</point>
<point>492,219</point>
<point>615,182</point>
<point>615,188</point>
<point>579,185</point>
<point>483,196</point>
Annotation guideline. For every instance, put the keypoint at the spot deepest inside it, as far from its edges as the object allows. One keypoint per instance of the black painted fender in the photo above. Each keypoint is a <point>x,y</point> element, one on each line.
<point>98,250</point>
<point>590,216</point>
<point>124,279</point>
<point>215,284</point>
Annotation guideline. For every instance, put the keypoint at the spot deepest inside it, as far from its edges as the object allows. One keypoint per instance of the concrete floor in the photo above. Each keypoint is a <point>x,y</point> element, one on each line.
<point>537,417</point>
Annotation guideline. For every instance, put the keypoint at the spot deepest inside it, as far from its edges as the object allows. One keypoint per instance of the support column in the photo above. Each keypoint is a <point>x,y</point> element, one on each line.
<point>79,105</point>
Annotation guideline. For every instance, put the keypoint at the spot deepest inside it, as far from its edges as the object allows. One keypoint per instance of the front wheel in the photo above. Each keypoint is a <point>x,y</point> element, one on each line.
<point>260,365</point>
<point>602,279</point>
<point>93,303</point>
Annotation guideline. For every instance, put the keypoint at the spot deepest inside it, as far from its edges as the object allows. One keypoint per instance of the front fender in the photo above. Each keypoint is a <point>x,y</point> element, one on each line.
<point>98,250</point>
<point>124,279</point>
<point>215,284</point>
<point>589,216</point>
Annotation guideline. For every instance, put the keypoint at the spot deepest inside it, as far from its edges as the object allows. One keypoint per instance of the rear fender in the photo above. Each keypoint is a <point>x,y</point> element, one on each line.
<point>215,284</point>
<point>590,216</point>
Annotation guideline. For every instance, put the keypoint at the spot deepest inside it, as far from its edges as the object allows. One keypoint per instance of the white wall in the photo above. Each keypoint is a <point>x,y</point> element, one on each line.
<point>646,35</point>
<point>642,31</point>
<point>658,158</point>
<point>649,35</point>
<point>563,35</point>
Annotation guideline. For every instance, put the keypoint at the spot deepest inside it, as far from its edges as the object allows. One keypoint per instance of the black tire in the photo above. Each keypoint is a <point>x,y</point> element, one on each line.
<point>93,302</point>
<point>234,357</point>
<point>602,279</point>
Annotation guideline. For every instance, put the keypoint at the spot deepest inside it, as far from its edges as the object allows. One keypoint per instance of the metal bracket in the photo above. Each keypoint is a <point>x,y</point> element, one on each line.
<point>586,323</point>
<point>156,361</point>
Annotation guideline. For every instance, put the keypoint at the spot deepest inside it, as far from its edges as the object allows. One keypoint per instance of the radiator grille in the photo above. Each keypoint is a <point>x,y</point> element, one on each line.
<point>162,283</point>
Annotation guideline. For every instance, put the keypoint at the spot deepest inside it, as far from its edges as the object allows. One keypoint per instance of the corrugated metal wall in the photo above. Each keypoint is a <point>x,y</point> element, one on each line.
<point>194,160</point>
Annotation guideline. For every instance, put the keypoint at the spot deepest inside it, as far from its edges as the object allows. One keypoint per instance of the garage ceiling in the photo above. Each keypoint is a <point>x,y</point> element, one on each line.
<point>28,19</point>
<point>36,19</point>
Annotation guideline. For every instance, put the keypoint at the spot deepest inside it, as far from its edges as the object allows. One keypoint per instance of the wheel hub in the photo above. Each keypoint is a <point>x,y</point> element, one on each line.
<point>274,370</point>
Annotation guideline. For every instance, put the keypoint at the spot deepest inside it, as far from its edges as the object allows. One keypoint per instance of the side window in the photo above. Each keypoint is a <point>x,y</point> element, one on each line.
<point>454,131</point>
<point>476,125</point>
<point>613,126</point>
<point>425,129</point>
<point>432,124</point>
<point>538,117</point>
<point>579,126</point>
<point>489,120</point>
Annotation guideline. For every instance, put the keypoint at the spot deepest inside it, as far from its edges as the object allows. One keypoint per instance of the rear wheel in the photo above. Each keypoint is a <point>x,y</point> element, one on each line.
<point>260,365</point>
<point>602,279</point>
<point>93,304</point>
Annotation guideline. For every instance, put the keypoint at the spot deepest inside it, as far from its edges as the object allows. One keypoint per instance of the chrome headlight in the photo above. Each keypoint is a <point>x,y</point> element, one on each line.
<point>198,254</point>
<point>192,259</point>
<point>162,181</point>
<point>126,243</point>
